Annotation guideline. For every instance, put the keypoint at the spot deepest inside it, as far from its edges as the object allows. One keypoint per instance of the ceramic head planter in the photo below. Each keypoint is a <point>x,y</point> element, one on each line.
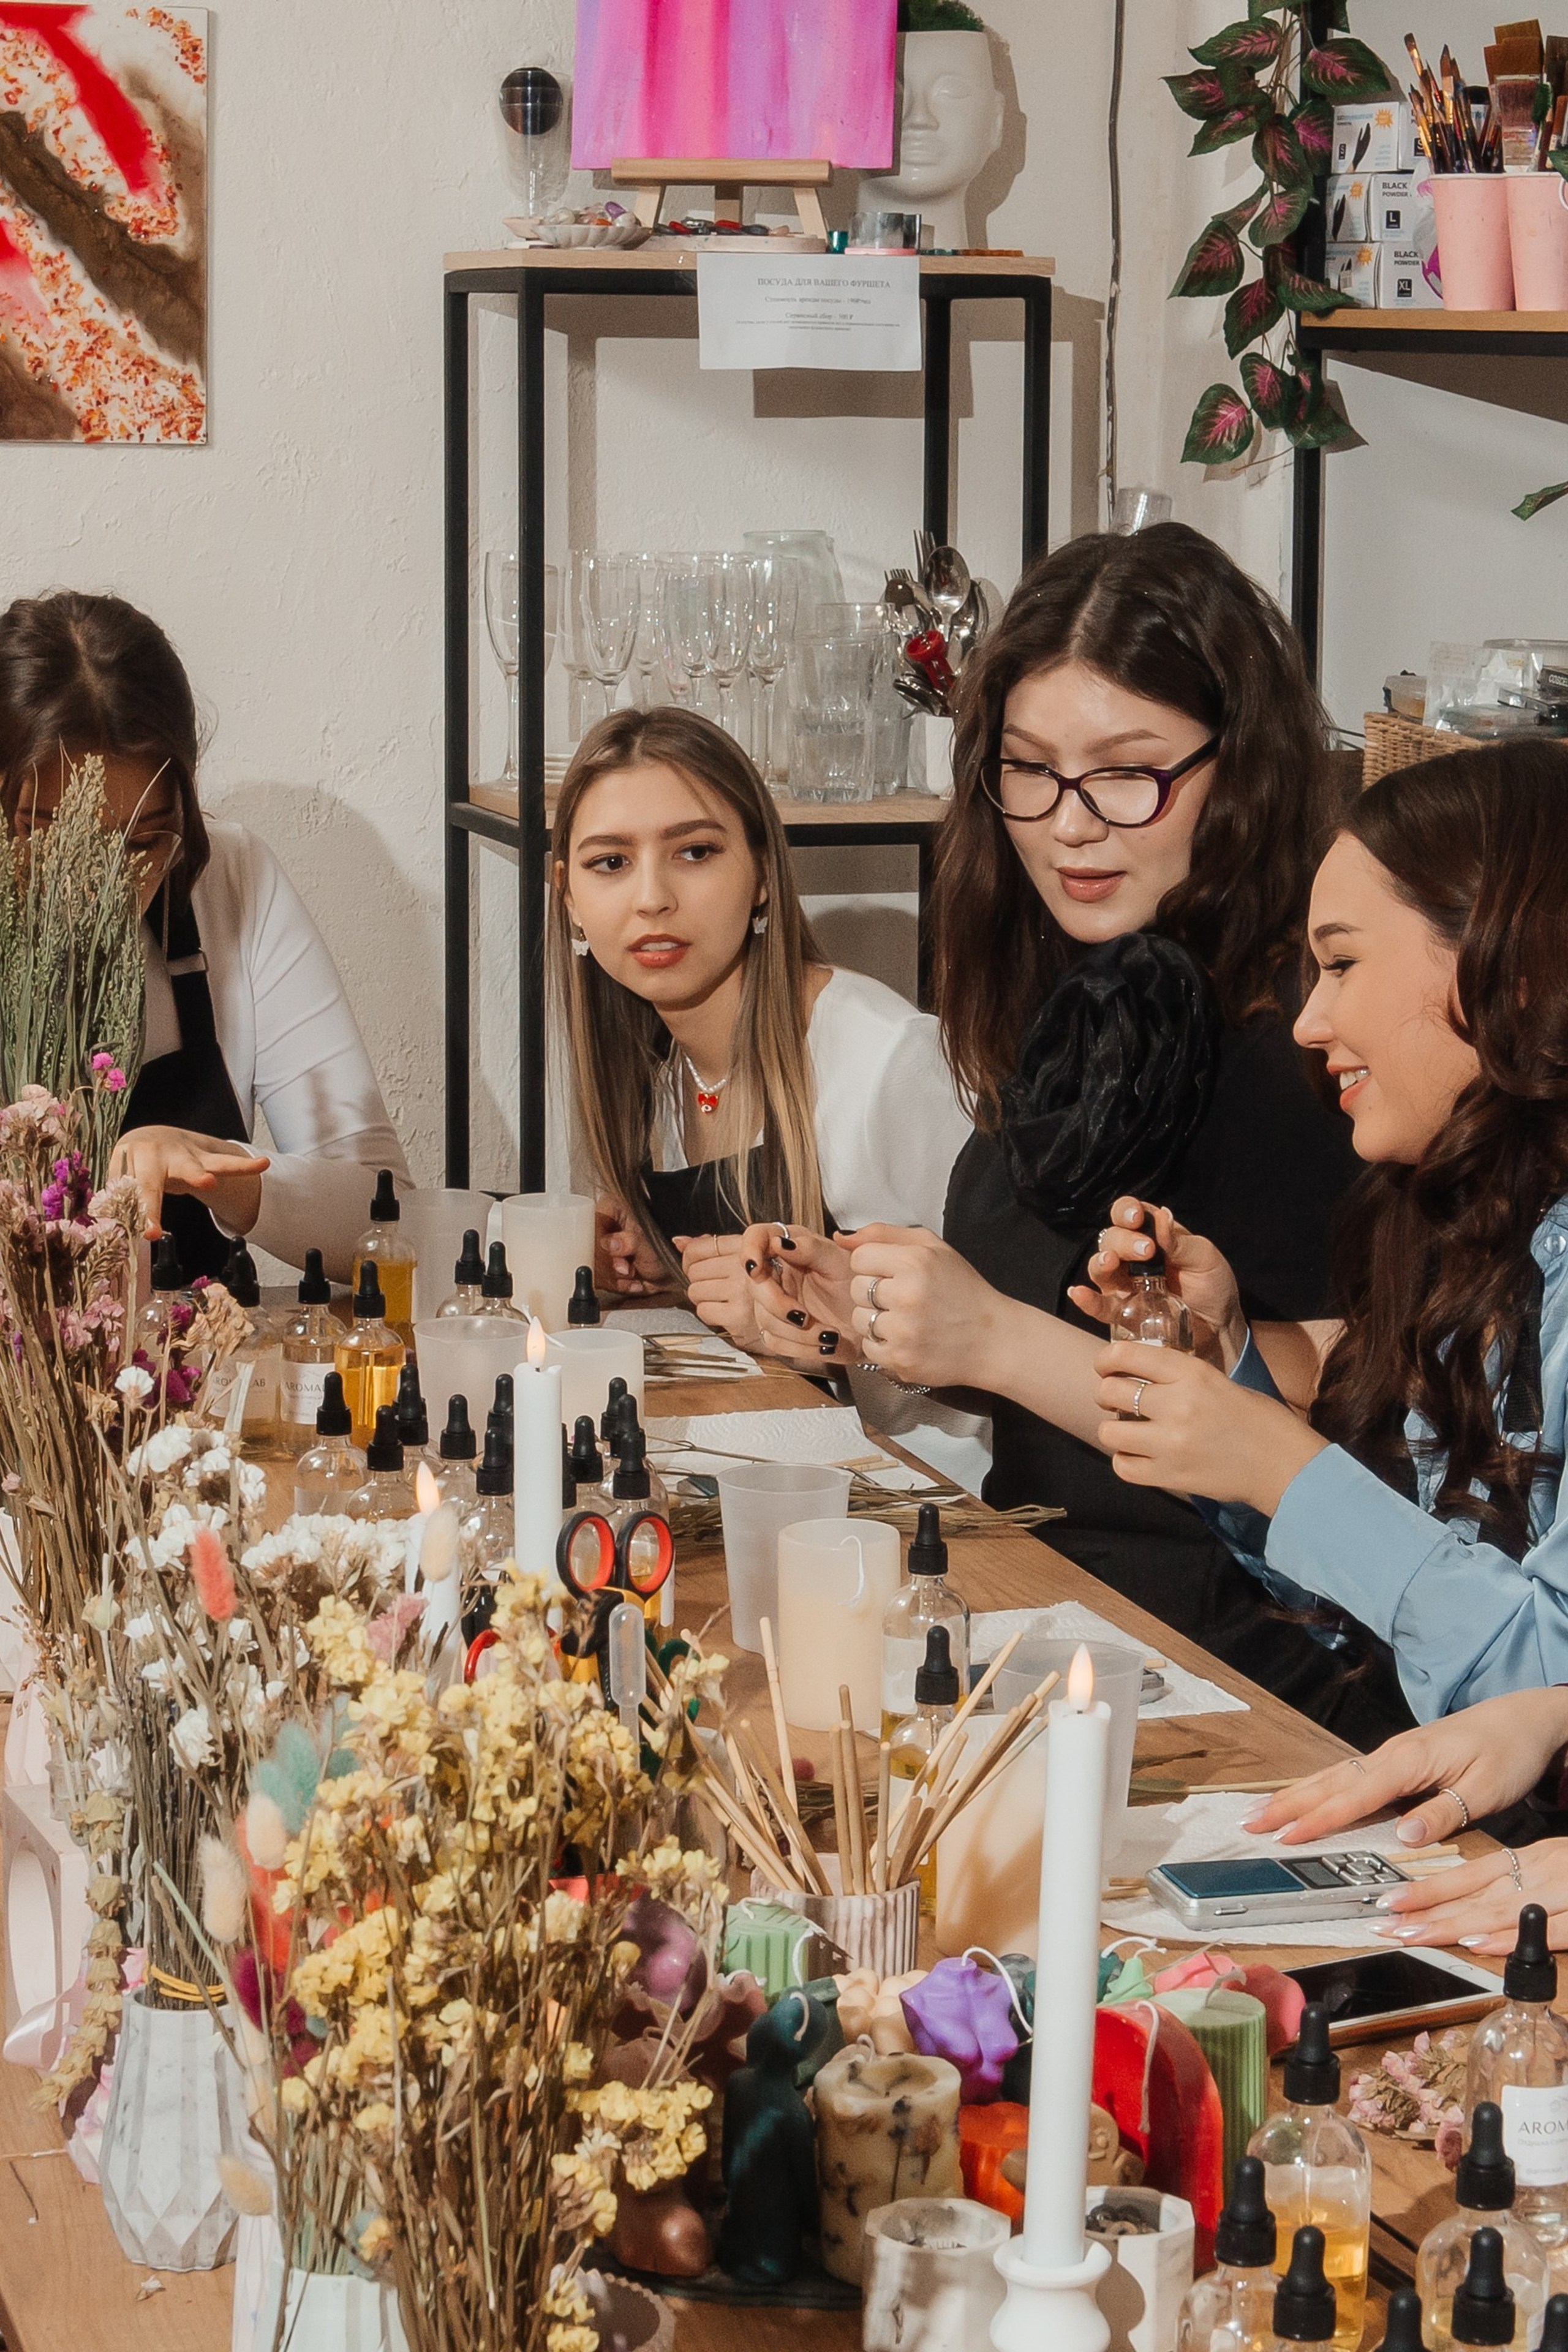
<point>950,119</point>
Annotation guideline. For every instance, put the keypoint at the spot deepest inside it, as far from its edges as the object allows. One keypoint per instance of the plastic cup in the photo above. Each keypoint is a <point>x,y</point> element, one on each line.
<point>836,1579</point>
<point>436,1222</point>
<point>465,1354</point>
<point>756,1499</point>
<point>1473,249</point>
<point>1538,239</point>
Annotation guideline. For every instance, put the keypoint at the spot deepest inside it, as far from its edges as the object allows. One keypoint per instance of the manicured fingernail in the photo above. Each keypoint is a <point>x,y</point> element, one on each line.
<point>1143,1246</point>
<point>796,1316</point>
<point>786,1243</point>
<point>1412,1832</point>
<point>1384,1903</point>
<point>1474,1943</point>
<point>751,1265</point>
<point>828,1341</point>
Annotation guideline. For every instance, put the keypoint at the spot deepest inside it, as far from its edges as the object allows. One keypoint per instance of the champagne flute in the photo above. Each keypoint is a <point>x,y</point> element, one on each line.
<point>729,599</point>
<point>609,601</point>
<point>646,652</point>
<point>502,619</point>
<point>775,604</point>
<point>684,615</point>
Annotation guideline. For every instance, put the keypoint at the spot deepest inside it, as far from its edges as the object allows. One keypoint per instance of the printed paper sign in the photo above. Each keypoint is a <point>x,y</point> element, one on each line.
<point>809,310</point>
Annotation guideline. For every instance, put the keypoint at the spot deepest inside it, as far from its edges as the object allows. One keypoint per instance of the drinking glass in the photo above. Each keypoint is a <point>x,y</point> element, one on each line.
<point>891,717</point>
<point>684,632</point>
<point>775,604</point>
<point>833,718</point>
<point>501,620</point>
<point>607,596</point>
<point>575,653</point>
<point>820,581</point>
<point>648,651</point>
<point>729,595</point>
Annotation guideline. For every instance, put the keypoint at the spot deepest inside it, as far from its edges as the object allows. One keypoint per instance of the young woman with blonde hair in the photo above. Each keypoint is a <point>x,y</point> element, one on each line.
<point>722,1071</point>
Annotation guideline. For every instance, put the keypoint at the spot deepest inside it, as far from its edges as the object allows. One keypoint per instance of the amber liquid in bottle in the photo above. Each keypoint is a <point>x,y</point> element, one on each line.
<point>369,1359</point>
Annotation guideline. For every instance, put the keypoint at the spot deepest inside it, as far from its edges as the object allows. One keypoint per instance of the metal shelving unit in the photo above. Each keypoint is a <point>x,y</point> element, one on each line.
<point>531,277</point>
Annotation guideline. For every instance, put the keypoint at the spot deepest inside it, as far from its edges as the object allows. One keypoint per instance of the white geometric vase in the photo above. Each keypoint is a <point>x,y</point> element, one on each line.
<point>177,2105</point>
<point>330,2314</point>
<point>258,2252</point>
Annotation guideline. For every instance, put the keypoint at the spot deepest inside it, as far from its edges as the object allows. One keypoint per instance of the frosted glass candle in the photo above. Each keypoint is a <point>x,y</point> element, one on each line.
<point>590,1359</point>
<point>548,1236</point>
<point>835,1579</point>
<point>536,1460</point>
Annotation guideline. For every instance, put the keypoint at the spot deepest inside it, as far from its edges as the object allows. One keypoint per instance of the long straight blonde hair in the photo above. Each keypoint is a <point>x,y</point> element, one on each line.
<point>621,1050</point>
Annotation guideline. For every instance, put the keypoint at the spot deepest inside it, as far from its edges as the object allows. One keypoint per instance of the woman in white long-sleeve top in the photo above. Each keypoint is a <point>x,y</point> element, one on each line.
<point>245,1013</point>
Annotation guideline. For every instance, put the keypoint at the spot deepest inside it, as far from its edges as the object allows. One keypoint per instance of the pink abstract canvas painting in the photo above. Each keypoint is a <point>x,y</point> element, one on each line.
<point>792,79</point>
<point>104,309</point>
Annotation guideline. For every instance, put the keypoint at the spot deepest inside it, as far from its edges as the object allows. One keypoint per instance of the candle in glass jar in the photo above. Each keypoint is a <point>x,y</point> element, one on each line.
<point>1067,1973</point>
<point>548,1236</point>
<point>536,1458</point>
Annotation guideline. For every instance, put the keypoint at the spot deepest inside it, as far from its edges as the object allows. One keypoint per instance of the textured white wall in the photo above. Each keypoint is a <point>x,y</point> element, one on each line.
<point>296,559</point>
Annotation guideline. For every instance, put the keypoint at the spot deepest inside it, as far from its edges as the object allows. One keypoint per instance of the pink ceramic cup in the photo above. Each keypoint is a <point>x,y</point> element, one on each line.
<point>1472,240</point>
<point>1537,237</point>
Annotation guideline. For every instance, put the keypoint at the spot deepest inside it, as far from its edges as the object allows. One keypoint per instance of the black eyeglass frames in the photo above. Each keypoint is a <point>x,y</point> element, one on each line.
<point>1025,790</point>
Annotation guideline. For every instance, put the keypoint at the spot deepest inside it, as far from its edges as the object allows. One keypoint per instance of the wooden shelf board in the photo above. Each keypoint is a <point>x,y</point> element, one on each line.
<point>1423,326</point>
<point>683,256</point>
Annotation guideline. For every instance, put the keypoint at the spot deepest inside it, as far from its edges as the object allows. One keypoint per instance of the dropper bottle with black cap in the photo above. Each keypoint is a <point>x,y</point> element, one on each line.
<point>467,1276</point>
<point>589,1490</point>
<point>388,1489</point>
<point>488,1534</point>
<point>610,1419</point>
<point>583,1306</point>
<point>496,1286</point>
<point>334,1468</point>
<point>1402,2329</point>
<point>1519,2059</point>
<point>1483,2196</point>
<point>1304,2305</point>
<point>927,1598</point>
<point>457,1451</point>
<point>384,1245</point>
<point>636,1491</point>
<point>414,1425</point>
<point>369,1356</point>
<point>1231,2308</point>
<point>310,1338</point>
<point>1317,2170</point>
<point>170,1305</point>
<point>257,1360</point>
<point>936,1692</point>
<point>1148,1311</point>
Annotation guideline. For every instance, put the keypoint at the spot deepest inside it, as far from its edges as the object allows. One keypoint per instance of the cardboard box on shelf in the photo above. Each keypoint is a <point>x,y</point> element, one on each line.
<point>1401,208</point>
<point>1403,279</point>
<point>1347,203</point>
<point>1353,270</point>
<point>1377,136</point>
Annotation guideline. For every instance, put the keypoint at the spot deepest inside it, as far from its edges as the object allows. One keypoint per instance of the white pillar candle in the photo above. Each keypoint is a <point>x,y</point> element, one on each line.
<point>835,1579</point>
<point>548,1236</point>
<point>536,1459</point>
<point>590,1359</point>
<point>1066,1972</point>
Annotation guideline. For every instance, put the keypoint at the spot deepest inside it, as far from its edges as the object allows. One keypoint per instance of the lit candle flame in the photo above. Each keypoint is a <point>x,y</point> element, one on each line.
<point>1080,1679</point>
<point>426,1493</point>
<point>536,1341</point>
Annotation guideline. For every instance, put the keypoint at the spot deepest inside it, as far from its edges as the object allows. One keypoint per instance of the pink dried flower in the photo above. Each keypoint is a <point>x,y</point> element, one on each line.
<point>106,1069</point>
<point>386,1632</point>
<point>211,1576</point>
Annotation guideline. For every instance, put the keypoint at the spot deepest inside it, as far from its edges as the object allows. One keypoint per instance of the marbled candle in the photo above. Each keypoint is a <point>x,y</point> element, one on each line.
<point>887,2128</point>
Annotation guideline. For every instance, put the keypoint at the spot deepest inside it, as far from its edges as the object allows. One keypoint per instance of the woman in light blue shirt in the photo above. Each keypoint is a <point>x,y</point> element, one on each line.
<point>1407,1465</point>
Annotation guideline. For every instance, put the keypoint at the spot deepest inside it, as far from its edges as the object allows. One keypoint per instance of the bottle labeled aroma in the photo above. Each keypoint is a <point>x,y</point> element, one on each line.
<point>334,1468</point>
<point>496,1287</point>
<point>1232,2308</point>
<point>166,1316</point>
<point>311,1337</point>
<point>1316,2169</point>
<point>927,1598</point>
<point>394,1256</point>
<point>1519,2059</point>
<point>466,1277</point>
<point>458,1452</point>
<point>256,1362</point>
<point>936,1695</point>
<point>1483,2196</point>
<point>1150,1312</point>
<point>1304,2299</point>
<point>369,1357</point>
<point>583,1306</point>
<point>388,1489</point>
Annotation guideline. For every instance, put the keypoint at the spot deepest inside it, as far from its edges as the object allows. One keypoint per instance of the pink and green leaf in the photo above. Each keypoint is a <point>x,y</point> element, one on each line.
<point>1277,394</point>
<point>1256,41</point>
<point>1251,311</point>
<point>1276,151</point>
<point>1309,294</point>
<point>1221,430</point>
<point>1539,499</point>
<point>1313,123</point>
<point>1280,217</point>
<point>1210,92</point>
<point>1223,129</point>
<point>1345,71</point>
<point>1322,423</point>
<point>1214,262</point>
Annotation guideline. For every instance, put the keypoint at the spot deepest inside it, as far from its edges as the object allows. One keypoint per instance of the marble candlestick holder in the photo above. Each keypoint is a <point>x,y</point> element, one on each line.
<point>887,2129</point>
<point>1141,2293</point>
<point>931,2279</point>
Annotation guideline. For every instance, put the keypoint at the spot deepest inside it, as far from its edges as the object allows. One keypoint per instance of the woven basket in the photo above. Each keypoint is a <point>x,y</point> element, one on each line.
<point>1394,742</point>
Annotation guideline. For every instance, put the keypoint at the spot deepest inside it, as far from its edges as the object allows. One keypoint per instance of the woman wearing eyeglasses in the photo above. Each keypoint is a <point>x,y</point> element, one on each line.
<point>1141,792</point>
<point>245,1008</point>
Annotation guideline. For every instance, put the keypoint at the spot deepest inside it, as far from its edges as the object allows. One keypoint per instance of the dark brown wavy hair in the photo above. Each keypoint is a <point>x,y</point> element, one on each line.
<point>1168,615</point>
<point>1435,1262</point>
<point>81,674</point>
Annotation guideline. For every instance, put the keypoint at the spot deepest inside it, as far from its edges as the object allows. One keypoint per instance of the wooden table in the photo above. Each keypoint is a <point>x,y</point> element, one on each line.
<point>64,2282</point>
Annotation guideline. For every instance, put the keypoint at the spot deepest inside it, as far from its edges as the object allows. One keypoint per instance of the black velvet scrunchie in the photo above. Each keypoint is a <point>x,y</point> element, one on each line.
<point>1113,1080</point>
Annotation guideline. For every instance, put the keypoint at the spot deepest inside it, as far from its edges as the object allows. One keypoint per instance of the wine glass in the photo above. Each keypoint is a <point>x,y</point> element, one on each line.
<point>607,593</point>
<point>775,603</point>
<point>502,619</point>
<point>648,651</point>
<point>684,618</point>
<point>729,592</point>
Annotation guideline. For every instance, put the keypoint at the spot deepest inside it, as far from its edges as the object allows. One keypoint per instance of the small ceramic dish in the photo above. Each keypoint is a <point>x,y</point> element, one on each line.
<point>624,234</point>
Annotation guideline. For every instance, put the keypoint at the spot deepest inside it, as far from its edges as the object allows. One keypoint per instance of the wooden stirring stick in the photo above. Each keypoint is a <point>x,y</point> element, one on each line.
<point>781,1728</point>
<point>884,1797</point>
<point>841,1815</point>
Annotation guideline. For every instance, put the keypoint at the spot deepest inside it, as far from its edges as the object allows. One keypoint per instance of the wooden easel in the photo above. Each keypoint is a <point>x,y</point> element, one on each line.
<point>729,176</point>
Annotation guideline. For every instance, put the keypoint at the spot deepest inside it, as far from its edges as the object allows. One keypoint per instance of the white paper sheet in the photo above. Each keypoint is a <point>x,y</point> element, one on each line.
<point>762,309</point>
<point>710,1442</point>
<point>1069,1621</point>
<point>1208,1828</point>
<point>720,1358</point>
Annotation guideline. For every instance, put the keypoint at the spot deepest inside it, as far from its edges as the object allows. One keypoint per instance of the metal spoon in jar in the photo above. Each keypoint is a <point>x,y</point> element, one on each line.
<point>908,600</point>
<point>947,582</point>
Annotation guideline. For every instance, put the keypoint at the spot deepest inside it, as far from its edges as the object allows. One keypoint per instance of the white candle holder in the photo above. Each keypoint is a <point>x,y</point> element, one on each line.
<point>1050,2311</point>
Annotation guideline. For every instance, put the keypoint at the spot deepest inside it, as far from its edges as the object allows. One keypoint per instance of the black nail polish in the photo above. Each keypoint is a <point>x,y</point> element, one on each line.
<point>796,1316</point>
<point>828,1341</point>
<point>784,1242</point>
<point>751,1265</point>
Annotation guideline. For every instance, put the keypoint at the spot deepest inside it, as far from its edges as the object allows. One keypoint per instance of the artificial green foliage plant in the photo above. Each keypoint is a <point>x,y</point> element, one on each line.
<point>1266,79</point>
<point>937,16</point>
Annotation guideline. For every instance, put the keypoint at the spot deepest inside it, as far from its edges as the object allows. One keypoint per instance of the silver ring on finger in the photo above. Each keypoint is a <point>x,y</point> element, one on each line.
<point>1464,1817</point>
<point>871,1292</point>
<point>1514,1869</point>
<point>1138,1389</point>
<point>871,1330</point>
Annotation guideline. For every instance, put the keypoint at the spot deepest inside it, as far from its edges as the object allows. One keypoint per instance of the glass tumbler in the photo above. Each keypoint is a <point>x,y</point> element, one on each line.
<point>834,718</point>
